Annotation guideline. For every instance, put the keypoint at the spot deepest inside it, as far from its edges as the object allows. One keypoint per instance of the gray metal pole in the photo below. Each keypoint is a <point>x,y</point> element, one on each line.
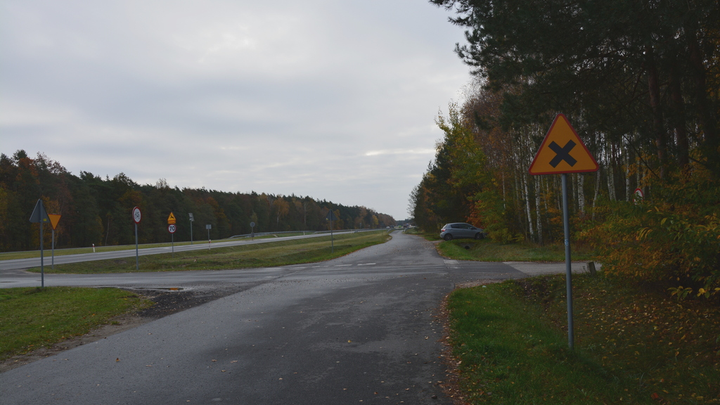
<point>568,267</point>
<point>53,250</point>
<point>172,243</point>
<point>42,257</point>
<point>191,241</point>
<point>332,239</point>
<point>137,254</point>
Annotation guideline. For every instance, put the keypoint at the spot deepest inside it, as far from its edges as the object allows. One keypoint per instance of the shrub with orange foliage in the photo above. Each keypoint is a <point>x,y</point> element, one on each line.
<point>673,237</point>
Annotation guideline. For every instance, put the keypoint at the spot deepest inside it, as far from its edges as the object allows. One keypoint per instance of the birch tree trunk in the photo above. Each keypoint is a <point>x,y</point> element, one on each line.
<point>503,185</point>
<point>558,199</point>
<point>610,173</point>
<point>527,207</point>
<point>597,190</point>
<point>581,193</point>
<point>627,174</point>
<point>576,199</point>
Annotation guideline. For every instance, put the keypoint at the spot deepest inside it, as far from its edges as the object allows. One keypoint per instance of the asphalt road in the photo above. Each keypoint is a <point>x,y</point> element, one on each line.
<point>358,329</point>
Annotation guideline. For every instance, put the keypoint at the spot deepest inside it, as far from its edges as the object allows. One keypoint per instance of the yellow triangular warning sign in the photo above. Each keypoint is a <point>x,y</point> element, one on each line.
<point>54,219</point>
<point>562,151</point>
<point>171,219</point>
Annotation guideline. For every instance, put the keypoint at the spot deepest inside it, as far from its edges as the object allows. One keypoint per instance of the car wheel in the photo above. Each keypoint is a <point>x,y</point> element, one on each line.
<point>479,235</point>
<point>448,237</point>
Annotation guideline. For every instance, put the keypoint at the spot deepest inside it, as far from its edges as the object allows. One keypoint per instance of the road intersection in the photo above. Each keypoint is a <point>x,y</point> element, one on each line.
<point>358,329</point>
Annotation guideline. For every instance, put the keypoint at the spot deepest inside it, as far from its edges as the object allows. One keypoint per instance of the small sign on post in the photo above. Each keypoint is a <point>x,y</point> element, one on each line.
<point>39,215</point>
<point>172,228</point>
<point>191,221</point>
<point>562,152</point>
<point>208,227</point>
<point>137,216</point>
<point>638,196</point>
<point>54,219</point>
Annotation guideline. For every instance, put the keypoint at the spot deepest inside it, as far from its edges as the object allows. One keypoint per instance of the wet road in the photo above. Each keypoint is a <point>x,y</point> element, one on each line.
<point>358,329</point>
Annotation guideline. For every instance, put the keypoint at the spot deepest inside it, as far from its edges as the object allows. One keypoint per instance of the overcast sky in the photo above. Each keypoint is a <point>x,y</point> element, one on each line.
<point>332,99</point>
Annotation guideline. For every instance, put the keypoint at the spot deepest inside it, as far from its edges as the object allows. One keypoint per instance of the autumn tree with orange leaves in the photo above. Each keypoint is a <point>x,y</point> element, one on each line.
<point>640,82</point>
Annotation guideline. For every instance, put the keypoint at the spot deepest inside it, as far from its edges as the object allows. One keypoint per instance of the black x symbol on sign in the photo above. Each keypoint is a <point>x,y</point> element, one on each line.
<point>562,153</point>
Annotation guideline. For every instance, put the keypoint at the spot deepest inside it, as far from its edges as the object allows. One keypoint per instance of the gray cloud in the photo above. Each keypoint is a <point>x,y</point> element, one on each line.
<point>332,99</point>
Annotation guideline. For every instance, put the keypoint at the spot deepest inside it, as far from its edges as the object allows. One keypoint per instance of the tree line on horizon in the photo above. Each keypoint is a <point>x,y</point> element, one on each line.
<point>98,211</point>
<point>640,83</point>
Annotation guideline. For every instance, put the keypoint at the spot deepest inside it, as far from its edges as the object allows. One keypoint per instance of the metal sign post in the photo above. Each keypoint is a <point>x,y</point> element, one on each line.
<point>39,216</point>
<point>52,247</point>
<point>208,227</point>
<point>54,219</point>
<point>191,221</point>
<point>559,154</point>
<point>172,228</point>
<point>137,217</point>
<point>568,263</point>
<point>252,230</point>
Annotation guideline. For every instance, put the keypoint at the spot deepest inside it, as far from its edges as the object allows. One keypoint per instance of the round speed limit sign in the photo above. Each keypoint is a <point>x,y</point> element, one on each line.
<point>137,215</point>
<point>172,228</point>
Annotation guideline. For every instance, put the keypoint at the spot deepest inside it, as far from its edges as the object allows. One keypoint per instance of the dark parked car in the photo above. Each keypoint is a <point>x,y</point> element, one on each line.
<point>458,230</point>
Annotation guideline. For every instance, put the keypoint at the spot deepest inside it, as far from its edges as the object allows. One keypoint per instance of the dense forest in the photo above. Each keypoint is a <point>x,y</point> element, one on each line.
<point>640,83</point>
<point>98,211</point>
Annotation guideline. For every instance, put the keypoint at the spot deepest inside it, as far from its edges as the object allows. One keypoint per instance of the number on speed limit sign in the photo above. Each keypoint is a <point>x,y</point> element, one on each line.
<point>137,215</point>
<point>172,228</point>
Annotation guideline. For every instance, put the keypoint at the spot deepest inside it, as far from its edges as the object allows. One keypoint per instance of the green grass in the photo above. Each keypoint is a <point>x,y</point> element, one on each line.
<point>489,251</point>
<point>237,257</point>
<point>431,236</point>
<point>631,346</point>
<point>32,318</point>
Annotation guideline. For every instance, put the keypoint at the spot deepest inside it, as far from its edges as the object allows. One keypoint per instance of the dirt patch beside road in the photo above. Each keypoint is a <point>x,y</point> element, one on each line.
<point>167,302</point>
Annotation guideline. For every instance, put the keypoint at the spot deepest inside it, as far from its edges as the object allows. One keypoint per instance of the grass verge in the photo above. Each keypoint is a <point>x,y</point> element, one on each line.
<point>32,318</point>
<point>631,346</point>
<point>236,257</point>
<point>489,251</point>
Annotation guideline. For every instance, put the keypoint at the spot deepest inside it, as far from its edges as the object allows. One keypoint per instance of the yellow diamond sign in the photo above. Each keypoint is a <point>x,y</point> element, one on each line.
<point>562,151</point>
